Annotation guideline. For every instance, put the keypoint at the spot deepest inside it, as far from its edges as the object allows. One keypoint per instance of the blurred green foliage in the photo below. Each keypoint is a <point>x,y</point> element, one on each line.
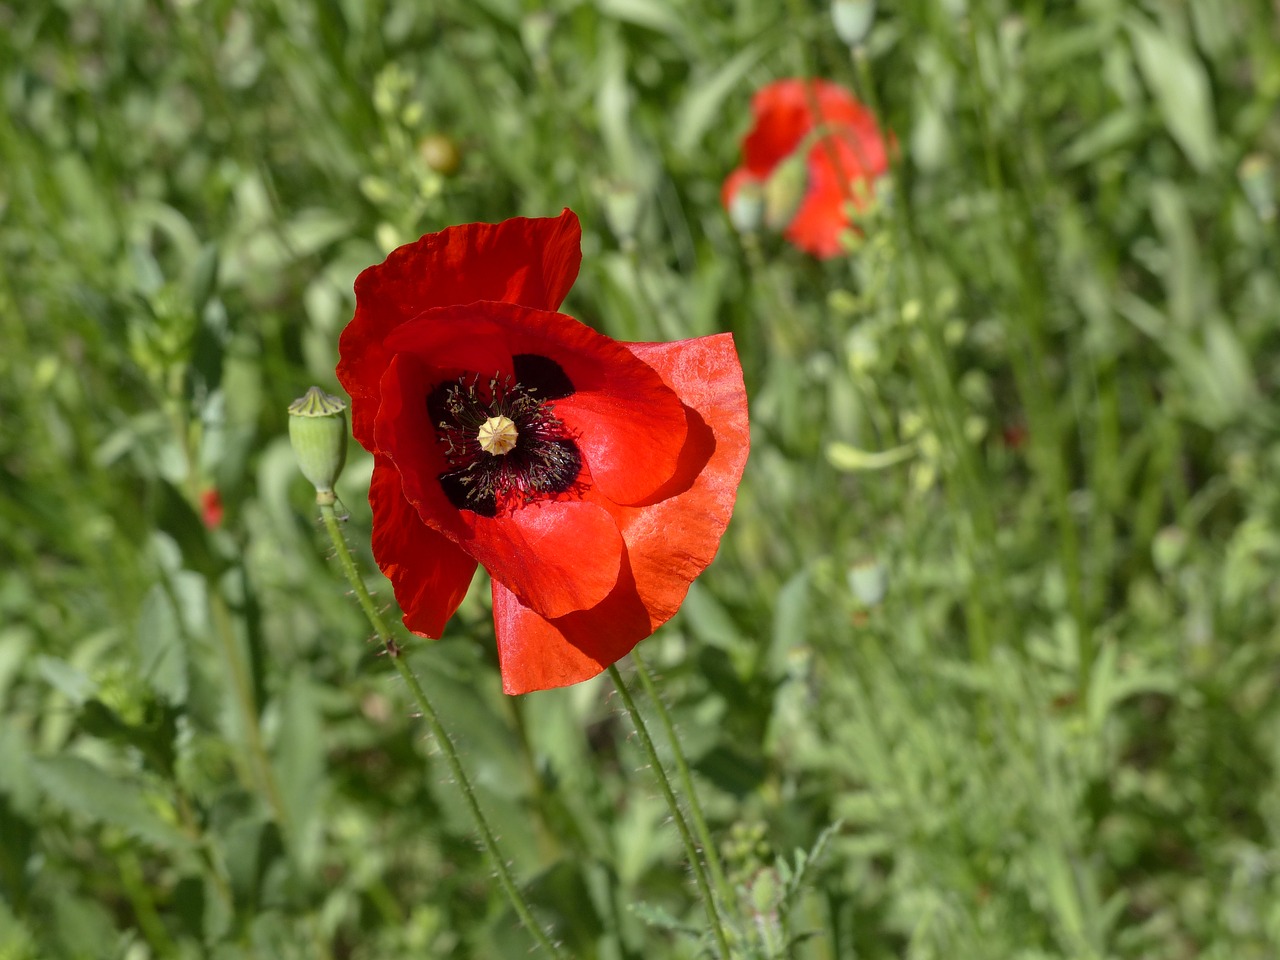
<point>1000,598</point>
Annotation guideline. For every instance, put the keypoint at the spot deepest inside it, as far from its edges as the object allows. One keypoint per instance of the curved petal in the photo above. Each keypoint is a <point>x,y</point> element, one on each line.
<point>782,120</point>
<point>840,110</point>
<point>671,541</point>
<point>838,174</point>
<point>668,542</point>
<point>535,653</point>
<point>787,111</point>
<point>452,340</point>
<point>628,424</point>
<point>522,260</point>
<point>428,573</point>
<point>556,555</point>
<point>404,436</point>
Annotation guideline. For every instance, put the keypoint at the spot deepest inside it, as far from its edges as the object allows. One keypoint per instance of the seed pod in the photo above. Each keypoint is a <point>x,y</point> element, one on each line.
<point>852,20</point>
<point>318,435</point>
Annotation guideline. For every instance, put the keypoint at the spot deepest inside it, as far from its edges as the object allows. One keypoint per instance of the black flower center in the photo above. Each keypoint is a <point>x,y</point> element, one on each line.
<point>503,442</point>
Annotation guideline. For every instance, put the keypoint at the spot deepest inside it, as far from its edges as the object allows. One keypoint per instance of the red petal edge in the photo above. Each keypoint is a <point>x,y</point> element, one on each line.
<point>668,541</point>
<point>428,573</point>
<point>531,261</point>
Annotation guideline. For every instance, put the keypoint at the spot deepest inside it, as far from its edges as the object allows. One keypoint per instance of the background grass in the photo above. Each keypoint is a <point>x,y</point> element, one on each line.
<point>1029,669</point>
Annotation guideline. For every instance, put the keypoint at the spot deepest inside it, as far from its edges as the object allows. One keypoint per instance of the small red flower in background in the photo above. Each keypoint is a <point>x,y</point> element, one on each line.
<point>1015,435</point>
<point>211,508</point>
<point>593,479</point>
<point>833,150</point>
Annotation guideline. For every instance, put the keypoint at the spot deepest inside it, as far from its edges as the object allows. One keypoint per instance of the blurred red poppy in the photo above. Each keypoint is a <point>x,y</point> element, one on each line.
<point>812,149</point>
<point>593,479</point>
<point>211,508</point>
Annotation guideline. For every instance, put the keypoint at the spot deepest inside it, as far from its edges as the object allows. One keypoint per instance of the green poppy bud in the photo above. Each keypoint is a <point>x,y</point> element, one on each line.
<point>746,207</point>
<point>852,19</point>
<point>622,210</point>
<point>318,434</point>
<point>784,190</point>
<point>869,581</point>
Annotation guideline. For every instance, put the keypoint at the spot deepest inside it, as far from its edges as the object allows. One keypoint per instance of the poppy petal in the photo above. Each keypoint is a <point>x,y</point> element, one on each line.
<point>405,436</point>
<point>837,175</point>
<point>668,542</point>
<point>522,260</point>
<point>671,541</point>
<point>627,423</point>
<point>782,119</point>
<point>429,574</point>
<point>535,653</point>
<point>557,556</point>
<point>787,115</point>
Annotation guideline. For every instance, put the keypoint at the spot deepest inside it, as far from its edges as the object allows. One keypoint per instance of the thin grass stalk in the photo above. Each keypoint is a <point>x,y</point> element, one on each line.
<point>709,850</point>
<point>682,825</point>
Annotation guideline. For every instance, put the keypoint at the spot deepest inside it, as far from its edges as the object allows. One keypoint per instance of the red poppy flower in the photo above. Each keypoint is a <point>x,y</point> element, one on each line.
<point>211,508</point>
<point>593,479</point>
<point>834,150</point>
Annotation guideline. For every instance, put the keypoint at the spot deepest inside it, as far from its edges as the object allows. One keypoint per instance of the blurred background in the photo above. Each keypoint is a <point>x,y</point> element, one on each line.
<point>993,634</point>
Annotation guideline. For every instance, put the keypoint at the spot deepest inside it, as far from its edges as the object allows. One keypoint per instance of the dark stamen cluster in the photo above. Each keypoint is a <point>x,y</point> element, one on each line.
<point>545,460</point>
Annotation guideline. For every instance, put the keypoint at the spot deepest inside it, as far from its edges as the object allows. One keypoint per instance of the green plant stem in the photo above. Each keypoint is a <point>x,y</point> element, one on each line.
<point>144,907</point>
<point>709,850</point>
<point>695,860</point>
<point>487,838</point>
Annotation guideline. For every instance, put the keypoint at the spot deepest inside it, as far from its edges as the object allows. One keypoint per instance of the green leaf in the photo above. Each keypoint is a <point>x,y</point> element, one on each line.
<point>67,679</point>
<point>1184,281</point>
<point>653,14</point>
<point>1180,85</point>
<point>790,622</point>
<point>704,103</point>
<point>83,788</point>
<point>299,762</point>
<point>162,650</point>
<point>15,642</point>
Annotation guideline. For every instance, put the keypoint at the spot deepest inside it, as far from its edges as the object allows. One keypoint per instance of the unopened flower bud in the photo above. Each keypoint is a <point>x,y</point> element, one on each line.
<point>784,190</point>
<point>852,19</point>
<point>622,210</point>
<point>746,207</point>
<point>869,581</point>
<point>318,434</point>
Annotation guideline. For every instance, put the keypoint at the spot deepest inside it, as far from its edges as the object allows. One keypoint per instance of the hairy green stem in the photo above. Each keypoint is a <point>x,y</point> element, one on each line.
<point>686,780</point>
<point>695,859</point>
<point>487,838</point>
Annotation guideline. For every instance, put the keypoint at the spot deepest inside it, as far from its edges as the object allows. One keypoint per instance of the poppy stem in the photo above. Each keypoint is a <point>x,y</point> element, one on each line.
<point>695,859</point>
<point>686,780</point>
<point>379,623</point>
